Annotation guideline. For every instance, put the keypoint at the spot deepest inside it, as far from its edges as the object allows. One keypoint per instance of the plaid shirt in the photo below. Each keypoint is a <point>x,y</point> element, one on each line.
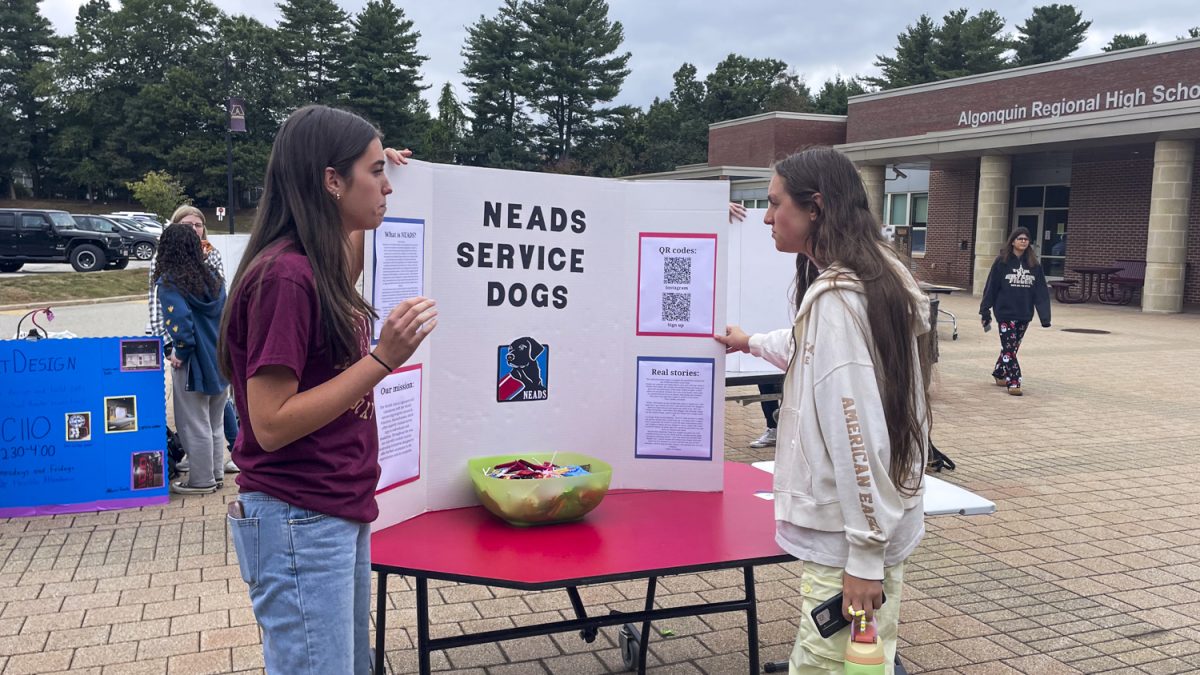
<point>157,326</point>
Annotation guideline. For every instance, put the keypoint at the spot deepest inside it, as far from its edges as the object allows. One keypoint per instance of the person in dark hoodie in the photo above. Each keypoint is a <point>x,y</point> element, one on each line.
<point>192,299</point>
<point>1015,286</point>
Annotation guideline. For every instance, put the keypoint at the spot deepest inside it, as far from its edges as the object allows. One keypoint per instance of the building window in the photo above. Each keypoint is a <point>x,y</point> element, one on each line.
<point>912,209</point>
<point>754,203</point>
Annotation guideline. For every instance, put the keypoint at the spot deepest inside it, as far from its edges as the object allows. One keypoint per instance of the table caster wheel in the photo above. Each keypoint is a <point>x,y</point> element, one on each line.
<point>631,647</point>
<point>954,336</point>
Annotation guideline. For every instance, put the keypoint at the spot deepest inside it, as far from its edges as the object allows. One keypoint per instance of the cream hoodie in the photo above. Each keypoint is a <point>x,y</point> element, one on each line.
<point>833,451</point>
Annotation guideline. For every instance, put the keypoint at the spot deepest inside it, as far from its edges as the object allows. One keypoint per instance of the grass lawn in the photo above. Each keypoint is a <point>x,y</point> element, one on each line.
<point>51,288</point>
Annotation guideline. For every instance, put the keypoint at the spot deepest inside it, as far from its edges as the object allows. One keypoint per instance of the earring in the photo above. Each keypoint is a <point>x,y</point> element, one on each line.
<point>337,196</point>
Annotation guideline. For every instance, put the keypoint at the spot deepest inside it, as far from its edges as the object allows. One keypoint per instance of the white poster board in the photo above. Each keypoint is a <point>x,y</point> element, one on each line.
<point>232,247</point>
<point>758,296</point>
<point>544,267</point>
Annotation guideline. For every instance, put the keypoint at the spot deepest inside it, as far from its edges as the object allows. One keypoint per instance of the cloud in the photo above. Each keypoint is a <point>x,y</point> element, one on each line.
<point>817,39</point>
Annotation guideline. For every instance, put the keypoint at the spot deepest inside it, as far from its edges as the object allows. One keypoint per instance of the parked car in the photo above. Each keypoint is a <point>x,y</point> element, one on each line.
<point>145,217</point>
<point>143,242</point>
<point>51,236</point>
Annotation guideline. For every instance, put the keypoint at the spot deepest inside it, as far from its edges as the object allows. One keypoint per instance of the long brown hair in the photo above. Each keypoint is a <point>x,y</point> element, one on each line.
<point>179,262</point>
<point>297,209</point>
<point>845,233</point>
<point>1029,259</point>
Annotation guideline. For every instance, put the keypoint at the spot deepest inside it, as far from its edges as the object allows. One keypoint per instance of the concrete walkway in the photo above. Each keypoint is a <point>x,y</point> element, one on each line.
<point>1090,564</point>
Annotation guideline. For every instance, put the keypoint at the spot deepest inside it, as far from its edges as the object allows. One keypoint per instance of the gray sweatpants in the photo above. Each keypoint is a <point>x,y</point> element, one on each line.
<point>200,421</point>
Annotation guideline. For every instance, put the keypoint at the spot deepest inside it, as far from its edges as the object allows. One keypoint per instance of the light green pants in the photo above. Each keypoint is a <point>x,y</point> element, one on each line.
<point>814,655</point>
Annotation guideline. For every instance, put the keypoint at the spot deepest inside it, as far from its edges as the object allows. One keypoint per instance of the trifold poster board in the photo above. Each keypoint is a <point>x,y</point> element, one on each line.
<point>758,296</point>
<point>82,425</point>
<point>576,314</point>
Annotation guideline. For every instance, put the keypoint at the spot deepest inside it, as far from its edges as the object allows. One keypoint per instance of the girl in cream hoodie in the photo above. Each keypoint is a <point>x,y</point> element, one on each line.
<point>854,423</point>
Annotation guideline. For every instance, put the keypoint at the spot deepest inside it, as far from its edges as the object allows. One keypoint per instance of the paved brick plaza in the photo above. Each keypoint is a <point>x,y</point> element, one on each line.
<point>1089,565</point>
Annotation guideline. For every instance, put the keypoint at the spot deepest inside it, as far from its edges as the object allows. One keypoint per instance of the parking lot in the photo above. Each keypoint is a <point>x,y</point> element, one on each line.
<point>62,268</point>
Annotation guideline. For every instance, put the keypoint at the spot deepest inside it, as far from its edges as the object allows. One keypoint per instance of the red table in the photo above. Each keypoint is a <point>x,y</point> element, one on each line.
<point>631,535</point>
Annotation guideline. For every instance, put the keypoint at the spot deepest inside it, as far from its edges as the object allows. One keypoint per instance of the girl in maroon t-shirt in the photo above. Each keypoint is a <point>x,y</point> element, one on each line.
<point>296,347</point>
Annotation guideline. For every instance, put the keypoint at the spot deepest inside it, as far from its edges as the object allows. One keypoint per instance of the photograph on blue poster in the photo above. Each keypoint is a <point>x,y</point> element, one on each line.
<point>83,425</point>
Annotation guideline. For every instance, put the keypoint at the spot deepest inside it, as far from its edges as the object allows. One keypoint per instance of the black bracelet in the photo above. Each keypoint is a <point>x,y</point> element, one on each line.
<point>386,366</point>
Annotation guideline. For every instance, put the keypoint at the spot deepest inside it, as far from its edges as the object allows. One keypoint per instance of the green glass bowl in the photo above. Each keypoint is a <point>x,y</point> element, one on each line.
<point>540,501</point>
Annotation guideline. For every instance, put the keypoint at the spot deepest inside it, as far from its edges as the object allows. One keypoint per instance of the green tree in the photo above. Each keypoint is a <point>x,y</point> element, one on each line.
<point>740,86</point>
<point>833,99</point>
<point>574,66</point>
<point>1193,32</point>
<point>675,130</point>
<point>314,34</point>
<point>913,60</point>
<point>159,192</point>
<point>382,76</point>
<point>967,45</point>
<point>497,77</point>
<point>444,140</point>
<point>1125,41</point>
<point>1051,33</point>
<point>27,47</point>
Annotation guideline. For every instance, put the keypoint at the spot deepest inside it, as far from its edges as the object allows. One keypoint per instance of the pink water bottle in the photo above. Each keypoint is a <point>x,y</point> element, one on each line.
<point>864,650</point>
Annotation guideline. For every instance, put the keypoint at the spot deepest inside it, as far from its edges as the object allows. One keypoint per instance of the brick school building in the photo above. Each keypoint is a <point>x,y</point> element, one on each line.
<point>1097,156</point>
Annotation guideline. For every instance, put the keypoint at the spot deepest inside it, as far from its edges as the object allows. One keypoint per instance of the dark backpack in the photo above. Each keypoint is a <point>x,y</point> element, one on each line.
<point>175,453</point>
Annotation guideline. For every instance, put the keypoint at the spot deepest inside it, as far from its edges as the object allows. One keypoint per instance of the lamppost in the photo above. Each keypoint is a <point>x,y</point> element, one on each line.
<point>235,121</point>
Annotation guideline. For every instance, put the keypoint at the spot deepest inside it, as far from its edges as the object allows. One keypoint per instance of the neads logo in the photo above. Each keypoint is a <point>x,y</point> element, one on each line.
<point>524,370</point>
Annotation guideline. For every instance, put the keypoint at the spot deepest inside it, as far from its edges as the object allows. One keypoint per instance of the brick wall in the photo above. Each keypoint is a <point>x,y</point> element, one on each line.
<point>923,111</point>
<point>1110,210</point>
<point>953,191</point>
<point>761,142</point>
<point>1191,287</point>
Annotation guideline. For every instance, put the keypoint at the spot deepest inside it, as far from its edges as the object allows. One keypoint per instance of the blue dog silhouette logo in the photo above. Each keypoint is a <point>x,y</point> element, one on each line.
<point>524,369</point>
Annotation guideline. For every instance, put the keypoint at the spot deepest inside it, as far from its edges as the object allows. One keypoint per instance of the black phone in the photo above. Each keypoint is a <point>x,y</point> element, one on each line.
<point>828,616</point>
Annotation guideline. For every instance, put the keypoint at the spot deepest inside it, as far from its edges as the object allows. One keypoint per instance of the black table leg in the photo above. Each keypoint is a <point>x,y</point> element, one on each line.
<point>380,623</point>
<point>423,626</point>
<point>644,648</point>
<point>751,619</point>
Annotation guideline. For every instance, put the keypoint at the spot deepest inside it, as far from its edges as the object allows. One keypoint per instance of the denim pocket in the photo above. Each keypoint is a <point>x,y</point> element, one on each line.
<point>299,516</point>
<point>245,541</point>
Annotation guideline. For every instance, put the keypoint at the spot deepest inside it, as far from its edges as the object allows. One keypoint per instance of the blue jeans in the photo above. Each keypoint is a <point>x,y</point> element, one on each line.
<point>231,422</point>
<point>310,584</point>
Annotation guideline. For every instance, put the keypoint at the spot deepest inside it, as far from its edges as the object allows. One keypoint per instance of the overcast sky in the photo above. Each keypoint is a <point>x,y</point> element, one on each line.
<point>817,39</point>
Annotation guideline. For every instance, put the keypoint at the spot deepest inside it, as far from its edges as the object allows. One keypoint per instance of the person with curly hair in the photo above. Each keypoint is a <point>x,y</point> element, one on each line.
<point>192,298</point>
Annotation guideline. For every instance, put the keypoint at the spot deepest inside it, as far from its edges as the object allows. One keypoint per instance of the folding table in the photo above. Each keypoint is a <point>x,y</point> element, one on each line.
<point>631,535</point>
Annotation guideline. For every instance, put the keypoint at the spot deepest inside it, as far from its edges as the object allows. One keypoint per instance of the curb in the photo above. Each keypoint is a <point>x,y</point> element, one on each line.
<point>73,303</point>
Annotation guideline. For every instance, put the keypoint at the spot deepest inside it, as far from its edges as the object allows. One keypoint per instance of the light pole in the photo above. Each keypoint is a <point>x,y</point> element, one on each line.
<point>235,121</point>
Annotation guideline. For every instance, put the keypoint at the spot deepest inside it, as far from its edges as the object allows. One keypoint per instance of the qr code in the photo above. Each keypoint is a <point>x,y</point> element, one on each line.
<point>677,271</point>
<point>677,307</point>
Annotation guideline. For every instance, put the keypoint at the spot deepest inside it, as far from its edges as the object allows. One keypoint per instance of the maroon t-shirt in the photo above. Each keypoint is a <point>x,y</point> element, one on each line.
<point>335,469</point>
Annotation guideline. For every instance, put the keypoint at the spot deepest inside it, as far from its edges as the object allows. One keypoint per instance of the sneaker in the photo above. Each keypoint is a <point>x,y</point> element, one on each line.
<point>230,467</point>
<point>181,488</point>
<point>1014,391</point>
<point>183,466</point>
<point>766,440</point>
<point>1000,382</point>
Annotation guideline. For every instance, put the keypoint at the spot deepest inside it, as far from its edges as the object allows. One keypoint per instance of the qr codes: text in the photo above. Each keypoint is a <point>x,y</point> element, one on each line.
<point>677,270</point>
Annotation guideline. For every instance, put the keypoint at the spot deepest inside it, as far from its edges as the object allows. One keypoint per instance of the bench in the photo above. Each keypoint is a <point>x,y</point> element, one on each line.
<point>1062,290</point>
<point>1130,278</point>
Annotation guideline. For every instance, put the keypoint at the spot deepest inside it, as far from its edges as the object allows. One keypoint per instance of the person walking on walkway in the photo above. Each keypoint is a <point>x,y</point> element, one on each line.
<point>1016,285</point>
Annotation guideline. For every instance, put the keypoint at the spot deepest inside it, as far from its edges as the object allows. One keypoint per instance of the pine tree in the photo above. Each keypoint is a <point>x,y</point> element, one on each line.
<point>574,65</point>
<point>967,45</point>
<point>382,75</point>
<point>444,140</point>
<point>1125,41</point>
<point>833,99</point>
<point>1051,33</point>
<point>497,76</point>
<point>913,62</point>
<point>740,86</point>
<point>314,35</point>
<point>674,131</point>
<point>27,46</point>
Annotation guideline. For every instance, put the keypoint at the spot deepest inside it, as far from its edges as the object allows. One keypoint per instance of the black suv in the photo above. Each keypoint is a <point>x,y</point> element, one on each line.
<point>48,236</point>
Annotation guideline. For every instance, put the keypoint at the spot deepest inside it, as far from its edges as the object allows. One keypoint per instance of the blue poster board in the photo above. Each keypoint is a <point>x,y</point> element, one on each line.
<point>82,425</point>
